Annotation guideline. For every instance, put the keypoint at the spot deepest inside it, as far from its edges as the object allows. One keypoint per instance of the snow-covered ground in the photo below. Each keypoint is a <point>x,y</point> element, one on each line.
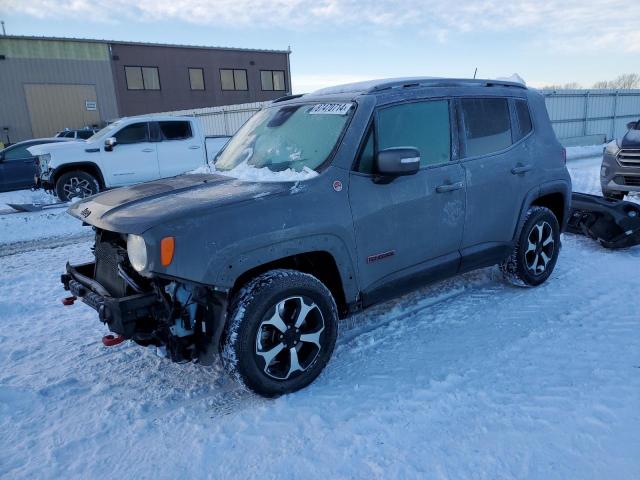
<point>468,378</point>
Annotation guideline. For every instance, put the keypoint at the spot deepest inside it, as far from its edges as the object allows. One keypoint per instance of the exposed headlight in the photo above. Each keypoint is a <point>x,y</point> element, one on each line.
<point>137,252</point>
<point>43,161</point>
<point>612,148</point>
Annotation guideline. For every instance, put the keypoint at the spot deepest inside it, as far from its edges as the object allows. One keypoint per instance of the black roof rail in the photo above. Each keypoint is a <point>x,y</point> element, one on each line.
<point>441,82</point>
<point>287,97</point>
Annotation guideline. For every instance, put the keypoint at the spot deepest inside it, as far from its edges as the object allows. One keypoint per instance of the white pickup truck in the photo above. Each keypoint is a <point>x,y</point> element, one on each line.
<point>128,151</point>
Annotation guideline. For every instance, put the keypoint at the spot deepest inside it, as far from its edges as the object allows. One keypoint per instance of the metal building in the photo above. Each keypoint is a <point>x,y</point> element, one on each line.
<point>48,84</point>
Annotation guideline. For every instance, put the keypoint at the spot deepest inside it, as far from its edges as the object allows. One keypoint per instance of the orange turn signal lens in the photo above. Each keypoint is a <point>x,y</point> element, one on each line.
<point>167,246</point>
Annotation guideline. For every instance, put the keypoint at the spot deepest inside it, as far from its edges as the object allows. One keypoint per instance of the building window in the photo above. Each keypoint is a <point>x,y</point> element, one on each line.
<point>196,78</point>
<point>272,80</point>
<point>142,78</point>
<point>233,79</point>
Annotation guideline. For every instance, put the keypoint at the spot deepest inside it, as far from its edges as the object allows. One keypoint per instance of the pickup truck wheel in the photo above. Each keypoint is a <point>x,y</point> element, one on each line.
<point>536,253</point>
<point>76,184</point>
<point>281,332</point>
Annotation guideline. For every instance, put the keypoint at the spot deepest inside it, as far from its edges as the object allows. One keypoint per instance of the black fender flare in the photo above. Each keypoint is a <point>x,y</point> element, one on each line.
<point>555,186</point>
<point>238,264</point>
<point>90,166</point>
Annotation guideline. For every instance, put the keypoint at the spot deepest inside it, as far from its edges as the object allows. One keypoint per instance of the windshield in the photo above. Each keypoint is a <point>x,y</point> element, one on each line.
<point>295,137</point>
<point>103,131</point>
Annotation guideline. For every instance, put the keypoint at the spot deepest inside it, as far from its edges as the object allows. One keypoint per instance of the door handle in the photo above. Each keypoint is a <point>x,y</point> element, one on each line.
<point>194,147</point>
<point>449,187</point>
<point>147,150</point>
<point>519,170</point>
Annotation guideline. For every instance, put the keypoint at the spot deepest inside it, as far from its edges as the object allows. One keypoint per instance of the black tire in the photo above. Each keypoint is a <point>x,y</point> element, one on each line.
<point>527,267</point>
<point>248,342</point>
<point>76,184</point>
<point>614,195</point>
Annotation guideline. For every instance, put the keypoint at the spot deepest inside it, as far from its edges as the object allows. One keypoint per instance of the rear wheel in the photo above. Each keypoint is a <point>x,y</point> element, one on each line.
<point>281,332</point>
<point>535,255</point>
<point>76,184</point>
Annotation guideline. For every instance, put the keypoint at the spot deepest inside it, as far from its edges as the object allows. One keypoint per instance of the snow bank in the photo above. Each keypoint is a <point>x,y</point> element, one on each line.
<point>584,151</point>
<point>26,196</point>
<point>26,227</point>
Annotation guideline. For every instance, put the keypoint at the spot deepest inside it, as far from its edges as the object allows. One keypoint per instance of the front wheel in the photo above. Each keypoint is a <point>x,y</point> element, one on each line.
<point>281,332</point>
<point>76,184</point>
<point>536,252</point>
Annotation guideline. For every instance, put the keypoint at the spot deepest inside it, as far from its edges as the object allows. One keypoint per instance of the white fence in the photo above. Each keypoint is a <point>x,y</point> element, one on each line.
<point>222,120</point>
<point>579,117</point>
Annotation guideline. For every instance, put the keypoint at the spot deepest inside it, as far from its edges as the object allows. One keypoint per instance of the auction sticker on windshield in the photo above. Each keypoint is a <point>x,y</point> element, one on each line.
<point>330,109</point>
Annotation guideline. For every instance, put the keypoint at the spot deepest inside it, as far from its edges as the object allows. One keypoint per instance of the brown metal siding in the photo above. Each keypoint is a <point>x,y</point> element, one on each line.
<point>173,65</point>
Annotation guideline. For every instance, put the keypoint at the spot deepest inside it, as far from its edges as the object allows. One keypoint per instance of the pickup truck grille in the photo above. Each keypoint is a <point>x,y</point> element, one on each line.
<point>108,257</point>
<point>629,158</point>
<point>632,181</point>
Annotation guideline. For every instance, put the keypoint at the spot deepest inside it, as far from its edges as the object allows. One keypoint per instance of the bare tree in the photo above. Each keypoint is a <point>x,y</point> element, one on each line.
<point>621,82</point>
<point>566,86</point>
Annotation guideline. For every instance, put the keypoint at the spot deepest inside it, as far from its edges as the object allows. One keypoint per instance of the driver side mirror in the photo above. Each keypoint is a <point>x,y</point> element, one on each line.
<point>109,143</point>
<point>632,125</point>
<point>397,161</point>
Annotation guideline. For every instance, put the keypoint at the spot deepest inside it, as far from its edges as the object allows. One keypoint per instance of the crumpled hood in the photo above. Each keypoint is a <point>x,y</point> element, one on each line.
<point>137,208</point>
<point>631,139</point>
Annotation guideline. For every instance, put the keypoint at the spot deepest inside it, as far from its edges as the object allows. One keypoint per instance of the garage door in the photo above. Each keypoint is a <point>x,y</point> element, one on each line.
<point>54,107</point>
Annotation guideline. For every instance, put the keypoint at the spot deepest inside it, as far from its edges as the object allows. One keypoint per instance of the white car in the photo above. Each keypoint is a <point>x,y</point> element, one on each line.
<point>129,151</point>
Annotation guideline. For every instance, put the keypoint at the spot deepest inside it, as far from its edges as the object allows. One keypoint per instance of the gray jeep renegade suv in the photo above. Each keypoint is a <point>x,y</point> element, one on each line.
<point>405,182</point>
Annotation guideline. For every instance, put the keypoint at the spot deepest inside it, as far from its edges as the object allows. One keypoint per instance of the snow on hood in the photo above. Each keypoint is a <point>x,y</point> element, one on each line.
<point>514,77</point>
<point>248,173</point>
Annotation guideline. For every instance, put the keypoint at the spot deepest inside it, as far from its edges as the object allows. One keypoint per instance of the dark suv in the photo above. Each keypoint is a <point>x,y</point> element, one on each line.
<point>357,194</point>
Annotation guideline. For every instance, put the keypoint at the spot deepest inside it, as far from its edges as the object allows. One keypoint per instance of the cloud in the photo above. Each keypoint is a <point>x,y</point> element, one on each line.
<point>565,25</point>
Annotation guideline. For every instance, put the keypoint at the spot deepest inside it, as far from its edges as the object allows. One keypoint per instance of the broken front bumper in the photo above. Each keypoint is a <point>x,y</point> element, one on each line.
<point>613,223</point>
<point>122,315</point>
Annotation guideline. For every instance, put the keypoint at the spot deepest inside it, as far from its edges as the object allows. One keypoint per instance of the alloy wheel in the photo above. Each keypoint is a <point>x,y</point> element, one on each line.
<point>77,187</point>
<point>288,338</point>
<point>540,248</point>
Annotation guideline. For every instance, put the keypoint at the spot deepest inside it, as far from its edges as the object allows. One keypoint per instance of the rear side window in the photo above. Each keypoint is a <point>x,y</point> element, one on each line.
<point>422,125</point>
<point>175,130</point>
<point>487,125</point>
<point>524,118</point>
<point>134,133</point>
<point>84,134</point>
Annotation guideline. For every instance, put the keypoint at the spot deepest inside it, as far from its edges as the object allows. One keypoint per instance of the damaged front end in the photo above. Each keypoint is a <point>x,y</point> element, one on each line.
<point>184,317</point>
<point>613,223</point>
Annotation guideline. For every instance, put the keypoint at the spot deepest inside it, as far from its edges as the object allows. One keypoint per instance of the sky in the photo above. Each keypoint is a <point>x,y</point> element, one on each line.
<point>340,41</point>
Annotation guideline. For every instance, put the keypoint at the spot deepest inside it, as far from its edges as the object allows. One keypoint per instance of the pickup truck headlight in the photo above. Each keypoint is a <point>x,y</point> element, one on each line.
<point>137,252</point>
<point>612,148</point>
